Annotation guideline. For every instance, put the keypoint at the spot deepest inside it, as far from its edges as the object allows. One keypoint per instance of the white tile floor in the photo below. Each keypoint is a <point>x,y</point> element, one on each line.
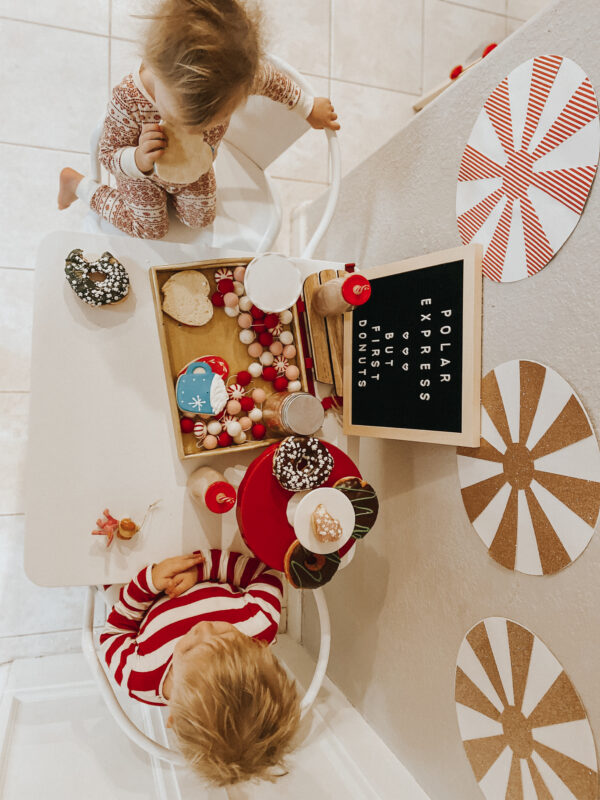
<point>59,59</point>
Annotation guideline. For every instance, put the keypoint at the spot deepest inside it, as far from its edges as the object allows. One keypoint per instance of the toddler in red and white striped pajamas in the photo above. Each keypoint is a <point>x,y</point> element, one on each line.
<point>192,632</point>
<point>201,59</point>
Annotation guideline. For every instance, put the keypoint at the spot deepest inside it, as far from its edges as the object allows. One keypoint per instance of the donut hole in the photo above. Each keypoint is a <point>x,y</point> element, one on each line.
<point>315,562</point>
<point>96,276</point>
<point>305,466</point>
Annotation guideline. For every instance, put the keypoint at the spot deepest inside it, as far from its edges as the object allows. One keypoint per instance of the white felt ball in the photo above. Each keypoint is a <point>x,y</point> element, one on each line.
<point>238,288</point>
<point>247,337</point>
<point>234,428</point>
<point>214,427</point>
<point>294,386</point>
<point>285,317</point>
<point>245,303</point>
<point>286,337</point>
<point>266,358</point>
<point>255,369</point>
<point>255,414</point>
<point>232,312</point>
<point>240,438</point>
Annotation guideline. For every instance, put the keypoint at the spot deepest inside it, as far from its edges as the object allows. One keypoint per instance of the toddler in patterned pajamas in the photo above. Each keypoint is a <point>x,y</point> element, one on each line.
<point>201,60</point>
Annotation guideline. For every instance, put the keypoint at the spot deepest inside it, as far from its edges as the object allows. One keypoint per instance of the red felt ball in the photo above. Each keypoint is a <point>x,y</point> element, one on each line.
<point>259,327</point>
<point>217,300</point>
<point>265,338</point>
<point>258,431</point>
<point>271,320</point>
<point>243,378</point>
<point>186,424</point>
<point>257,313</point>
<point>224,439</point>
<point>247,403</point>
<point>280,384</point>
<point>269,373</point>
<point>225,285</point>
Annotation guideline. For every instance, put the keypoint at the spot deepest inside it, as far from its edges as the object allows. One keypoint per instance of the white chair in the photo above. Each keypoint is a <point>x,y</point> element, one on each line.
<point>248,206</point>
<point>151,746</point>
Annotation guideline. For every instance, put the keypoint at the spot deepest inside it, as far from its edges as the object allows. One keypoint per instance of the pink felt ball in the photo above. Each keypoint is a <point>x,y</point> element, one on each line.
<point>276,348</point>
<point>231,299</point>
<point>269,373</point>
<point>238,273</point>
<point>246,423</point>
<point>246,403</point>
<point>244,377</point>
<point>245,320</point>
<point>234,407</point>
<point>210,442</point>
<point>255,349</point>
<point>289,351</point>
<point>265,338</point>
<point>280,384</point>
<point>258,431</point>
<point>259,395</point>
<point>292,373</point>
<point>186,424</point>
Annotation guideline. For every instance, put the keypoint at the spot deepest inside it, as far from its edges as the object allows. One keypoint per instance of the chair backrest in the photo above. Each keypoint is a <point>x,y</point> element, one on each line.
<point>262,129</point>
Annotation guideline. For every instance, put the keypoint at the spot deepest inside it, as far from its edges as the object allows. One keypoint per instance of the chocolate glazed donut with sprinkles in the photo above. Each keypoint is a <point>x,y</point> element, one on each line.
<point>97,283</point>
<point>302,462</point>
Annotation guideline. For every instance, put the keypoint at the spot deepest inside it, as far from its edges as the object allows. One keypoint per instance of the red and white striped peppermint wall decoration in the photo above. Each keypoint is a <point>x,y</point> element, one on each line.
<point>528,167</point>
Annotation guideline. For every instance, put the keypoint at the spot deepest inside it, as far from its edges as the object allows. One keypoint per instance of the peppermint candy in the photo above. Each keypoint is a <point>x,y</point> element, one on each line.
<point>222,274</point>
<point>200,430</point>
<point>235,391</point>
<point>281,364</point>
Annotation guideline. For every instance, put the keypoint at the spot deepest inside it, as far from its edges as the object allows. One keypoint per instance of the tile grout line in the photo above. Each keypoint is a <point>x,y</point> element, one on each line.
<point>48,633</point>
<point>422,46</point>
<point>18,269</point>
<point>13,514</point>
<point>473,8</point>
<point>39,147</point>
<point>54,27</point>
<point>373,86</point>
<point>109,48</point>
<point>297,180</point>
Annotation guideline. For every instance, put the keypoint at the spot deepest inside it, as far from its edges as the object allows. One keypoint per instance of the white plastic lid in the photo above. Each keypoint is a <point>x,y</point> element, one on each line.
<point>272,282</point>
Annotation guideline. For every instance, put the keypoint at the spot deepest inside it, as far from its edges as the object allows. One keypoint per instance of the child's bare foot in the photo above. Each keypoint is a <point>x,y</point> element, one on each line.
<point>69,181</point>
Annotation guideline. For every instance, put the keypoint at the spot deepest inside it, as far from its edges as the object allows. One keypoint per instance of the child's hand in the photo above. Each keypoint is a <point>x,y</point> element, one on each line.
<point>323,115</point>
<point>151,146</point>
<point>181,582</point>
<point>163,572</point>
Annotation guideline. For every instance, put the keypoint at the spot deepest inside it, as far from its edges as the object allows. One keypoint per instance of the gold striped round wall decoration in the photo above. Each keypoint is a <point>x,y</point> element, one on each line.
<point>524,728</point>
<point>531,489</point>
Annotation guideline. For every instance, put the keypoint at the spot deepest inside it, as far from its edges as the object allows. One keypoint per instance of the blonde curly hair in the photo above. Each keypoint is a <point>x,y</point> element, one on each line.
<point>235,719</point>
<point>207,52</point>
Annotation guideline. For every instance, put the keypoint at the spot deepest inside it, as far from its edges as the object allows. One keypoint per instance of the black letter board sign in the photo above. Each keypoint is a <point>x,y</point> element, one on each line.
<point>412,353</point>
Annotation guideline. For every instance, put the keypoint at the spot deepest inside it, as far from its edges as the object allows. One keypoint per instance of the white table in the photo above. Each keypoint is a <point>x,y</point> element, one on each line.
<point>100,431</point>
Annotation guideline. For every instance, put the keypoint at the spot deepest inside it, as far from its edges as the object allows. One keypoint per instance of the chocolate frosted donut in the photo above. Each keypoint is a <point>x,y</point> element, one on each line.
<point>364,501</point>
<point>307,570</point>
<point>97,283</point>
<point>301,463</point>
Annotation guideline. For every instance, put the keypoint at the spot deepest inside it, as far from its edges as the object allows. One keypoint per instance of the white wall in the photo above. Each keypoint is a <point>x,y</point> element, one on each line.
<point>422,578</point>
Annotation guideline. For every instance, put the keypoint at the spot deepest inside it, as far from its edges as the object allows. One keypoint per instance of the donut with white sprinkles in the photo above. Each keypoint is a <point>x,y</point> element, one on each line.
<point>97,283</point>
<point>302,462</point>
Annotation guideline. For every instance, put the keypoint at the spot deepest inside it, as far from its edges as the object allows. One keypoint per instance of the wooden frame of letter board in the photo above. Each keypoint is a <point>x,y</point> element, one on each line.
<point>469,435</point>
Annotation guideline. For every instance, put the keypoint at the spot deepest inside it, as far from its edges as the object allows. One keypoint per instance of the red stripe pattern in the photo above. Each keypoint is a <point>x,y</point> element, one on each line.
<point>144,626</point>
<point>568,185</point>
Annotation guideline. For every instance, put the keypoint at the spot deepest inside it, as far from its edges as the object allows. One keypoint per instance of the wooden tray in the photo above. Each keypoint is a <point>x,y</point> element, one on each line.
<point>326,334</point>
<point>181,344</point>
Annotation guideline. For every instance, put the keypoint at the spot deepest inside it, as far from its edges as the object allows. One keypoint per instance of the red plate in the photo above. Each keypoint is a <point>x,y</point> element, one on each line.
<point>262,505</point>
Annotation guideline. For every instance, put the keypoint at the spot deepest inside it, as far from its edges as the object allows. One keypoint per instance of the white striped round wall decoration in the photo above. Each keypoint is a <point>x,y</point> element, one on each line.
<point>524,728</point>
<point>531,489</point>
<point>528,167</point>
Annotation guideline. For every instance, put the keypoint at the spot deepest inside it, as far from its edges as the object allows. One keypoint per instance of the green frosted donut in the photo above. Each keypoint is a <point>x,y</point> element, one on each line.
<point>307,570</point>
<point>364,501</point>
<point>97,283</point>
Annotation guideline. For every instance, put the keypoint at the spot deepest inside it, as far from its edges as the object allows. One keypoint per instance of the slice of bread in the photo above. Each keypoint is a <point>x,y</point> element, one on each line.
<point>186,298</point>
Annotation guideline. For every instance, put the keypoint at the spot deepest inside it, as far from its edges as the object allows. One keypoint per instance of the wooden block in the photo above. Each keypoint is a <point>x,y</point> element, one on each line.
<point>335,336</point>
<point>317,332</point>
